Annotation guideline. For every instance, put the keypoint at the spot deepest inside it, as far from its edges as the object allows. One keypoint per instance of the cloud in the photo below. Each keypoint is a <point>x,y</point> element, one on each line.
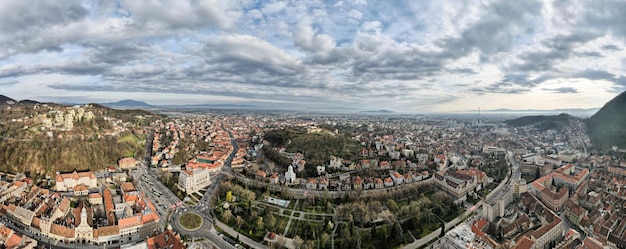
<point>496,31</point>
<point>349,53</point>
<point>561,90</point>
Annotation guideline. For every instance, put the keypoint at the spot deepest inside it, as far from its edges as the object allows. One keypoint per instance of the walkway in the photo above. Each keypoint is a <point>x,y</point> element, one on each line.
<point>243,238</point>
<point>290,218</point>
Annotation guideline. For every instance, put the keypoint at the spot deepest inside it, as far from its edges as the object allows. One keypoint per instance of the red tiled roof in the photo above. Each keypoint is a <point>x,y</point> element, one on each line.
<point>478,225</point>
<point>524,243</point>
<point>165,240</point>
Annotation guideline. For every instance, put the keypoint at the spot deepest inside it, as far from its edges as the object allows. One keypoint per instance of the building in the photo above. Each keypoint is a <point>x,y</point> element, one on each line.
<point>388,182</point>
<point>397,178</point>
<point>357,183</point>
<point>496,203</point>
<point>456,184</point>
<point>462,237</point>
<point>67,181</point>
<point>193,179</point>
<point>127,163</point>
<point>84,232</point>
<point>290,176</point>
<point>311,183</point>
<point>554,199</point>
<point>574,213</point>
<point>520,186</point>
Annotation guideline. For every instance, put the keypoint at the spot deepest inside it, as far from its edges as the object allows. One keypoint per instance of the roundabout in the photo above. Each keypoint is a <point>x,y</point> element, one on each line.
<point>190,221</point>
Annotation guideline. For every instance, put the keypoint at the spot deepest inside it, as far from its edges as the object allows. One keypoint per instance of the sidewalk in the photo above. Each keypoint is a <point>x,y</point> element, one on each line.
<point>242,237</point>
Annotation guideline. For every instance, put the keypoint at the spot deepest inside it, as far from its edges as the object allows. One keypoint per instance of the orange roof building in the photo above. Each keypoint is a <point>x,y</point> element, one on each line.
<point>164,240</point>
<point>67,181</point>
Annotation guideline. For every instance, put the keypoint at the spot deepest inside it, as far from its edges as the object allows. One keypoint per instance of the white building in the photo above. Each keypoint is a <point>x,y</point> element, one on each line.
<point>290,176</point>
<point>192,180</point>
<point>462,237</point>
<point>496,203</point>
<point>84,231</point>
<point>66,182</point>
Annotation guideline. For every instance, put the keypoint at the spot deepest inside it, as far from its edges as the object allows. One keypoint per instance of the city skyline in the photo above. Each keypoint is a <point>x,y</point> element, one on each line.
<point>427,56</point>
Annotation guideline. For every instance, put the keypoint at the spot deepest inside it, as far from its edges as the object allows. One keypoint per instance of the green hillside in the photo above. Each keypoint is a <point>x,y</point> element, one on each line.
<point>608,126</point>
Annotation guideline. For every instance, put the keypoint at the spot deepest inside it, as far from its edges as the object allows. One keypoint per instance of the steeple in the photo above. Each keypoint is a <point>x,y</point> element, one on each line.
<point>83,215</point>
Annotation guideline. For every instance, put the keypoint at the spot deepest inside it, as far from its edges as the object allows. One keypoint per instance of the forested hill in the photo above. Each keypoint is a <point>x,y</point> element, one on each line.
<point>44,138</point>
<point>316,147</point>
<point>608,126</point>
<point>542,121</point>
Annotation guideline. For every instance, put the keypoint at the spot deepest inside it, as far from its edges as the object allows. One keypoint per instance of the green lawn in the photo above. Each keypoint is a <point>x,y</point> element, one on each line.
<point>190,221</point>
<point>128,138</point>
<point>281,223</point>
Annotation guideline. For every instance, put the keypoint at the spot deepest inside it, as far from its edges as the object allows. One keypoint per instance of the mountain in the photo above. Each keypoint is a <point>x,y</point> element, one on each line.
<point>579,112</point>
<point>4,100</point>
<point>127,103</point>
<point>544,122</point>
<point>379,111</point>
<point>608,126</point>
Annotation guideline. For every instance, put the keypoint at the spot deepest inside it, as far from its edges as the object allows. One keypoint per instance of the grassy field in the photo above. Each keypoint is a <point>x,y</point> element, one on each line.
<point>190,221</point>
<point>128,138</point>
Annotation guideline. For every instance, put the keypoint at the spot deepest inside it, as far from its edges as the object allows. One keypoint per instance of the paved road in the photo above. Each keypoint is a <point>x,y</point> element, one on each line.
<point>249,242</point>
<point>451,224</point>
<point>422,241</point>
<point>205,231</point>
<point>517,174</point>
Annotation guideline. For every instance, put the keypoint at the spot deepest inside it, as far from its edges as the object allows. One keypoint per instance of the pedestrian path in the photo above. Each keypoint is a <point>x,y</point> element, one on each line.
<point>242,237</point>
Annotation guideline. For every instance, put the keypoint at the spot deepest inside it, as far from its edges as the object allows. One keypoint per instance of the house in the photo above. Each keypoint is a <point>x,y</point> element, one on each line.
<point>368,183</point>
<point>357,183</point>
<point>378,183</point>
<point>388,182</point>
<point>274,178</point>
<point>311,183</point>
<point>385,165</point>
<point>323,184</point>
<point>397,178</point>
<point>81,190</point>
<point>408,178</point>
<point>260,175</point>
<point>416,176</point>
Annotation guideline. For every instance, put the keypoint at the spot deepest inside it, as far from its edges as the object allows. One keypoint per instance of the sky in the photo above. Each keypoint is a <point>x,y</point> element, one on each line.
<point>405,56</point>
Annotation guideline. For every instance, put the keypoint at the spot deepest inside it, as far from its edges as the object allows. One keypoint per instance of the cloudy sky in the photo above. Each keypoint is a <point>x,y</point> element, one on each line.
<point>407,56</point>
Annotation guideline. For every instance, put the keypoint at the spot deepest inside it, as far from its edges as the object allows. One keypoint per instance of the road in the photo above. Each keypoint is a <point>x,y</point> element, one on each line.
<point>451,224</point>
<point>52,243</point>
<point>517,174</point>
<point>207,230</point>
<point>424,240</point>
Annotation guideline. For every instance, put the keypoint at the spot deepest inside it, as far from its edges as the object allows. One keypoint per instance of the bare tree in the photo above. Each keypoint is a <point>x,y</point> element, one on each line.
<point>239,221</point>
<point>297,241</point>
<point>227,215</point>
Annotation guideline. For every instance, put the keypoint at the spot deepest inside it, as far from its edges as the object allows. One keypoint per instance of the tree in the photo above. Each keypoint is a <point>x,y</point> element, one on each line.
<point>324,239</point>
<point>227,215</point>
<point>397,233</point>
<point>270,221</point>
<point>259,223</point>
<point>253,214</point>
<point>356,242</point>
<point>392,205</point>
<point>239,221</point>
<point>374,232</point>
<point>297,241</point>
